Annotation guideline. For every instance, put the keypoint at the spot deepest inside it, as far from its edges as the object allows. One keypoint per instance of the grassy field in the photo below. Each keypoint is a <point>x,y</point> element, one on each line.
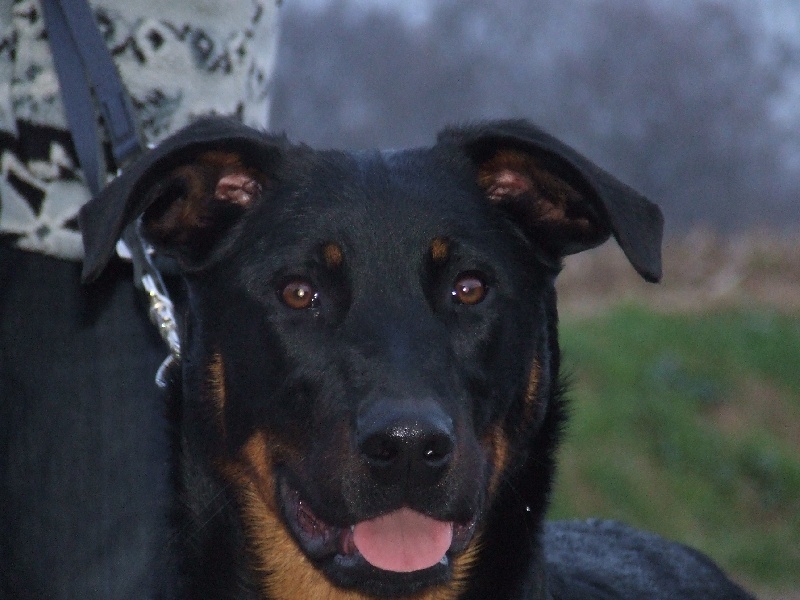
<point>687,423</point>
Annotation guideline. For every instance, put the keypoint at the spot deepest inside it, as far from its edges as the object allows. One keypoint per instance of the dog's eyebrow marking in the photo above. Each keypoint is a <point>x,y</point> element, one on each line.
<point>333,255</point>
<point>440,250</point>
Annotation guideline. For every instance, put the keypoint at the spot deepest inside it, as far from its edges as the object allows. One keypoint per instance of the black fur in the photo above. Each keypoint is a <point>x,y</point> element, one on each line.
<point>370,331</point>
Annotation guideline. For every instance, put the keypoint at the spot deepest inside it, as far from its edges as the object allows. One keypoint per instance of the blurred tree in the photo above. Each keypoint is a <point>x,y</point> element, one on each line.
<point>677,99</point>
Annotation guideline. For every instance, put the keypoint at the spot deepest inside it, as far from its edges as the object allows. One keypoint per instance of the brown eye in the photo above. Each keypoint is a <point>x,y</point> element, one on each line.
<point>298,294</point>
<point>469,289</point>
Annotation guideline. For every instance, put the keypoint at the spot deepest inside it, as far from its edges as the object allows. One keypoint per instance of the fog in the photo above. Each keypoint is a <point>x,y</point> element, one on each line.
<point>695,102</point>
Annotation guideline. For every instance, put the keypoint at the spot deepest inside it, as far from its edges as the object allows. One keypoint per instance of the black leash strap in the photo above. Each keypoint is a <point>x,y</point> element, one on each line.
<point>90,84</point>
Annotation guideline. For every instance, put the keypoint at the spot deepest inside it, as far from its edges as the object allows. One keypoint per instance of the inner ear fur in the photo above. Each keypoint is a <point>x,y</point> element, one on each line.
<point>195,182</point>
<point>196,203</point>
<point>563,201</point>
<point>550,203</point>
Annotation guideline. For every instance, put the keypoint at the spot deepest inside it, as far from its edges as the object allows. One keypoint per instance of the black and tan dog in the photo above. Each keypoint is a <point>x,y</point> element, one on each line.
<point>369,398</point>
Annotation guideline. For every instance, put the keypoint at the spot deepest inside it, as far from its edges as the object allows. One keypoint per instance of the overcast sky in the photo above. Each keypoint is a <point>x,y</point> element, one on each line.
<point>694,102</point>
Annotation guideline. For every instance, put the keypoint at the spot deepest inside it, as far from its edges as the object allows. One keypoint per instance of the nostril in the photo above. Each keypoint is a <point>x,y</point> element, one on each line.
<point>419,450</point>
<point>405,443</point>
<point>436,450</point>
<point>381,449</point>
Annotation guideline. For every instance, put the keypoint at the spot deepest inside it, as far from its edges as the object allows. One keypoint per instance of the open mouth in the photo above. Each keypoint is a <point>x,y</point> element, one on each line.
<point>403,544</point>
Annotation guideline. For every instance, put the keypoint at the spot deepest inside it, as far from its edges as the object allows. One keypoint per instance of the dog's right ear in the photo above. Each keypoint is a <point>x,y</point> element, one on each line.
<point>189,191</point>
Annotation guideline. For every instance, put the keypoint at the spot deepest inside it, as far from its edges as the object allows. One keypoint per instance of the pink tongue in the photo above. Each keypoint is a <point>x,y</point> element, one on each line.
<point>403,541</point>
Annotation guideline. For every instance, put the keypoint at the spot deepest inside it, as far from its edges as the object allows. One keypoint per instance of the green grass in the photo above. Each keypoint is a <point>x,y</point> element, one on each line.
<point>689,425</point>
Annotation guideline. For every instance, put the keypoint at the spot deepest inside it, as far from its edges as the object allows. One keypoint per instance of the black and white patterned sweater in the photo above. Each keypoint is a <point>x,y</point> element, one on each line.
<point>179,60</point>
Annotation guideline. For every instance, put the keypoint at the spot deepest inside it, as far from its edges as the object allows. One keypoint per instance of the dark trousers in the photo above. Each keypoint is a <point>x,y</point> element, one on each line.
<point>84,467</point>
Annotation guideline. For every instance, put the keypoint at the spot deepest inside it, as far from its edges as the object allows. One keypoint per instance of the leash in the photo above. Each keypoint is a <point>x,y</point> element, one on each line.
<point>91,88</point>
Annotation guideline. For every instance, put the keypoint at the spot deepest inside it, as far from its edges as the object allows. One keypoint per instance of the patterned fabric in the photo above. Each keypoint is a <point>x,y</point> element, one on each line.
<point>179,60</point>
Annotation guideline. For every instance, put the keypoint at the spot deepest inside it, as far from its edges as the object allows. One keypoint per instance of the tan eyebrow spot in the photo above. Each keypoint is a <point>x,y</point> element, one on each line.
<point>333,255</point>
<point>440,250</point>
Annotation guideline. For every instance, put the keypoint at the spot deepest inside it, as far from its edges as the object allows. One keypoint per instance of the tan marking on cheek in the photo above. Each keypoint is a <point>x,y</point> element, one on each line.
<point>333,255</point>
<point>462,565</point>
<point>500,455</point>
<point>216,386</point>
<point>440,250</point>
<point>282,569</point>
<point>529,407</point>
<point>497,440</point>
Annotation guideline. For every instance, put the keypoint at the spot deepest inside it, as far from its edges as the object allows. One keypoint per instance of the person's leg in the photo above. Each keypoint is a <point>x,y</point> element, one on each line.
<point>84,457</point>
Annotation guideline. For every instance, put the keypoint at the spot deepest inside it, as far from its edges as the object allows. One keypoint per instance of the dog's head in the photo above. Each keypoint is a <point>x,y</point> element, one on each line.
<point>370,352</point>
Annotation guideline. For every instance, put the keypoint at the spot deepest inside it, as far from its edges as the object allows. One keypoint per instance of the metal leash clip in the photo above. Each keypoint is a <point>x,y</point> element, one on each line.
<point>146,276</point>
<point>162,314</point>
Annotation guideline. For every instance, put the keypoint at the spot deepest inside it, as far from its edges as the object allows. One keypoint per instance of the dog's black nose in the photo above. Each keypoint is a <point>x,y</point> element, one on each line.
<point>406,443</point>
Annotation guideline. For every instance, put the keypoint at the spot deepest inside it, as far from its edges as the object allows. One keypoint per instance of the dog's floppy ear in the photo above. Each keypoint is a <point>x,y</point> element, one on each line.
<point>562,200</point>
<point>188,191</point>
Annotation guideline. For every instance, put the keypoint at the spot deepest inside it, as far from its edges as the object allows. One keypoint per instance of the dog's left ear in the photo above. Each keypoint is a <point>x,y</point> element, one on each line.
<point>562,201</point>
<point>190,190</point>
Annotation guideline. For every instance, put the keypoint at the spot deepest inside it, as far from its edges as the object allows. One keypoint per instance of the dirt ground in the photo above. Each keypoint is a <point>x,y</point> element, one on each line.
<point>702,271</point>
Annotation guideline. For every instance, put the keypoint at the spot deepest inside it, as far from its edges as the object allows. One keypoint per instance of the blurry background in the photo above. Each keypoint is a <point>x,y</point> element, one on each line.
<point>686,395</point>
<point>694,102</point>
